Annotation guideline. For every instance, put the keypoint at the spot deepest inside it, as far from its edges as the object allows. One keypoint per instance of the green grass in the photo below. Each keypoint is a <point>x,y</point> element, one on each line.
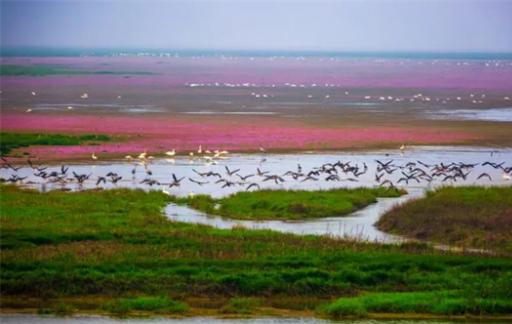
<point>439,302</point>
<point>474,217</point>
<point>289,204</point>
<point>155,304</point>
<point>45,70</point>
<point>97,249</point>
<point>10,141</point>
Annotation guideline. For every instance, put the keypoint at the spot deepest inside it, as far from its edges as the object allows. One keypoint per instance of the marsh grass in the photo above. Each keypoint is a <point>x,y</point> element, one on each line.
<point>154,304</point>
<point>117,244</point>
<point>47,69</point>
<point>289,204</point>
<point>472,217</point>
<point>10,141</point>
<point>439,302</point>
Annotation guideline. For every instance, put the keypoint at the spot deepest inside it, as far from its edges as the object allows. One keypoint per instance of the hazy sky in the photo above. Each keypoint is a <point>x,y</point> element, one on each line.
<point>372,25</point>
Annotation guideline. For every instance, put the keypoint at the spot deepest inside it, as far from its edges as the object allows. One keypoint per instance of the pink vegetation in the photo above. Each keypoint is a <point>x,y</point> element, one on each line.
<point>156,135</point>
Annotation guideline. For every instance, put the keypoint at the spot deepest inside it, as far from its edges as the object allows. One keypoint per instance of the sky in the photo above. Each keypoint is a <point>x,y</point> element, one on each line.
<point>317,25</point>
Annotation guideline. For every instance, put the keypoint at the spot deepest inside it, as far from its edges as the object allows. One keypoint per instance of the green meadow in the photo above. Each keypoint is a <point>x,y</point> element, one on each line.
<point>10,141</point>
<point>114,252</point>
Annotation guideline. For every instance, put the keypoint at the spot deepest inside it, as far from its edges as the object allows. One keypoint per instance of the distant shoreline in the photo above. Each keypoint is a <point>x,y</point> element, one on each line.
<point>77,52</point>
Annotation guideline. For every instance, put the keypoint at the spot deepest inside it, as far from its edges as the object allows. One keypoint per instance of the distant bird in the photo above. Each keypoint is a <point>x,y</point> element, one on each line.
<point>261,173</point>
<point>243,178</point>
<point>171,153</point>
<point>100,180</point>
<point>253,185</point>
<point>198,182</point>
<point>231,172</point>
<point>176,182</point>
<point>277,179</point>
<point>93,156</point>
<point>483,175</point>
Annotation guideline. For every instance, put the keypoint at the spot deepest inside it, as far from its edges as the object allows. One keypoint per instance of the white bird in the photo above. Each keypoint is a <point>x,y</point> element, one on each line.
<point>262,149</point>
<point>33,93</point>
<point>93,156</point>
<point>70,107</point>
<point>128,157</point>
<point>402,148</point>
<point>84,95</point>
<point>171,153</point>
<point>142,155</point>
<point>200,150</point>
<point>29,110</point>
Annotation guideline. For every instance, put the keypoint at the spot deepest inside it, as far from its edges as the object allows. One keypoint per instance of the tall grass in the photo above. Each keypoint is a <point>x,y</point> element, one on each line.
<point>476,217</point>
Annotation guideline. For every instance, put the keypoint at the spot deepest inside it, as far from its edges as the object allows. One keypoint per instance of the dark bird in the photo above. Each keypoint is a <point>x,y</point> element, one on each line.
<point>274,177</point>
<point>198,182</point>
<point>176,182</point>
<point>254,184</point>
<point>115,178</point>
<point>308,177</point>
<point>81,177</point>
<point>261,173</point>
<point>150,182</point>
<point>243,178</point>
<point>332,177</point>
<point>483,175</point>
<point>228,184</point>
<point>231,172</point>
<point>100,180</point>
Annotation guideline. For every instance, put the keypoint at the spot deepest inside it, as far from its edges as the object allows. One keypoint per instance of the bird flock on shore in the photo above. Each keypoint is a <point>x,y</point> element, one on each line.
<point>389,173</point>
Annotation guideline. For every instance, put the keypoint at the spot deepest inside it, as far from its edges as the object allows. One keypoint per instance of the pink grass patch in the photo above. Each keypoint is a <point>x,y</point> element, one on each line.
<point>155,134</point>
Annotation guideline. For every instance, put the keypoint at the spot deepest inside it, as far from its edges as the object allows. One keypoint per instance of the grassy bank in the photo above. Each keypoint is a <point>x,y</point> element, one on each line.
<point>289,204</point>
<point>40,70</point>
<point>475,217</point>
<point>113,251</point>
<point>10,141</point>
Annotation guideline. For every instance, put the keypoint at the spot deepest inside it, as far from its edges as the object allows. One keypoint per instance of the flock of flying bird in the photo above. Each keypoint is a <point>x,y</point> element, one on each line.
<point>387,173</point>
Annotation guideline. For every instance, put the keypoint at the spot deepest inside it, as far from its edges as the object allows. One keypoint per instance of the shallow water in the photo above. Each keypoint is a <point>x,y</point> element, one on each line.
<point>15,319</point>
<point>492,114</point>
<point>358,225</point>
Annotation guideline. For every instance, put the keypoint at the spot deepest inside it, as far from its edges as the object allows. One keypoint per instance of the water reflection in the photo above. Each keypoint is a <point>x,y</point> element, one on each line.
<point>19,319</point>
